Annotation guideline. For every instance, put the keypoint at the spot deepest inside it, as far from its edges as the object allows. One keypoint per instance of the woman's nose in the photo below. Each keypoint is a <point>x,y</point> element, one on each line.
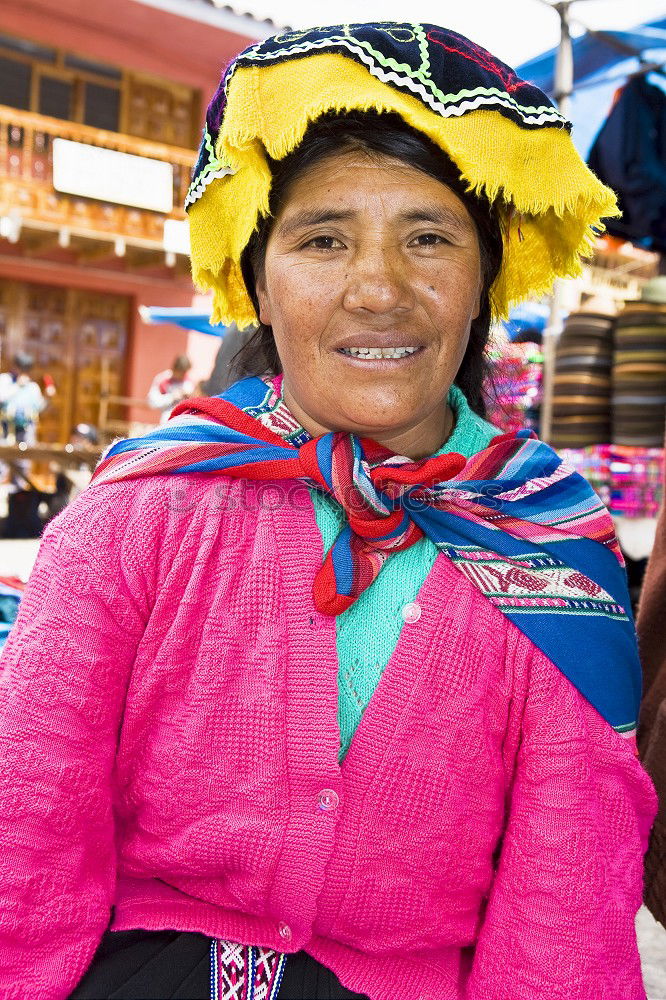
<point>377,281</point>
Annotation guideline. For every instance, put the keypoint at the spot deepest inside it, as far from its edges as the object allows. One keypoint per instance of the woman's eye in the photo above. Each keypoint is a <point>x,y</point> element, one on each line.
<point>427,240</point>
<point>324,243</point>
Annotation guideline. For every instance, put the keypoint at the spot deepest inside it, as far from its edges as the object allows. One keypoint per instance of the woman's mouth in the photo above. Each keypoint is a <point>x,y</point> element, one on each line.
<point>378,353</point>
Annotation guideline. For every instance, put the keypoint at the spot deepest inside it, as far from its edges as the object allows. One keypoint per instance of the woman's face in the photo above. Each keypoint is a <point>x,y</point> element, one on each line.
<point>369,256</point>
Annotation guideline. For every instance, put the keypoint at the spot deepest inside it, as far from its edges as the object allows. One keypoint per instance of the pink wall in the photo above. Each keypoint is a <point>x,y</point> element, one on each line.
<point>201,350</point>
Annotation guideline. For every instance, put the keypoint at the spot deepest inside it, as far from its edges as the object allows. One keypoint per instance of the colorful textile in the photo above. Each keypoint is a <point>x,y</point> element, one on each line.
<point>628,479</point>
<point>244,972</point>
<point>504,135</point>
<point>523,527</point>
<point>513,392</point>
<point>169,748</point>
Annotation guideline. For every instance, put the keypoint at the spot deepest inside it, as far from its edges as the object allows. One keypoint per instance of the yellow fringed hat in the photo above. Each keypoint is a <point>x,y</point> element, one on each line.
<point>507,140</point>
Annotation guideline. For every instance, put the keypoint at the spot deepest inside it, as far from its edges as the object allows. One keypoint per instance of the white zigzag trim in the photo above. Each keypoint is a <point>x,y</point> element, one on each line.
<point>202,183</point>
<point>548,114</point>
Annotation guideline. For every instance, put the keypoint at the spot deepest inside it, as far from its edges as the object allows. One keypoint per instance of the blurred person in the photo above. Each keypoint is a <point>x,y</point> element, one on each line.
<point>25,401</point>
<point>326,688</point>
<point>170,387</point>
<point>6,387</point>
<point>21,400</point>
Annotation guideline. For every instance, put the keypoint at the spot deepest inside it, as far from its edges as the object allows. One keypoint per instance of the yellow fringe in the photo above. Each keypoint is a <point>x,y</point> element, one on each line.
<point>540,181</point>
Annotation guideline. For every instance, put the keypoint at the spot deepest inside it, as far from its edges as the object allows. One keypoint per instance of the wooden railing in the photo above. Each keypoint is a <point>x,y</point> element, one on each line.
<point>26,142</point>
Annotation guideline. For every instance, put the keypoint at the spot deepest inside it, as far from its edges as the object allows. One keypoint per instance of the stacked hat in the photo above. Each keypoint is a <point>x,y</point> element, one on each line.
<point>582,378</point>
<point>639,369</point>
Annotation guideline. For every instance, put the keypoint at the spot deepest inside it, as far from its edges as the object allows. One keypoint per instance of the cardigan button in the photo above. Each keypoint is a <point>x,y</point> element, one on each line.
<point>328,799</point>
<point>411,612</point>
<point>284,930</point>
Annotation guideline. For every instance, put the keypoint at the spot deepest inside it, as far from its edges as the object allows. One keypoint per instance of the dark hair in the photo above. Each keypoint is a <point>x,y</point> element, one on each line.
<point>384,134</point>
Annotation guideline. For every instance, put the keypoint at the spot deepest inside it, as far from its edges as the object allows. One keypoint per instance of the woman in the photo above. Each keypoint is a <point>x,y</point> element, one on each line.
<point>296,705</point>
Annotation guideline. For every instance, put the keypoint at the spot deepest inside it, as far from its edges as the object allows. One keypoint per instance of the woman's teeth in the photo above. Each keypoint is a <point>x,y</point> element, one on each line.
<point>378,352</point>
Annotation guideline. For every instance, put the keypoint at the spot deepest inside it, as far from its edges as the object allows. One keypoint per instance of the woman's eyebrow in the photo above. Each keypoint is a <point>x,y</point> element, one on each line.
<point>436,215</point>
<point>313,217</point>
<point>439,216</point>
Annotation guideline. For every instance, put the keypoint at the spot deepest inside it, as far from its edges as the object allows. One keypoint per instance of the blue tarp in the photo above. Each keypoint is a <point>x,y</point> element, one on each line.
<point>189,319</point>
<point>527,317</point>
<point>602,63</point>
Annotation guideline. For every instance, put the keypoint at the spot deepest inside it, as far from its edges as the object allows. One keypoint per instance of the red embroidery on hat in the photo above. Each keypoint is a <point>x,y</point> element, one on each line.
<point>484,59</point>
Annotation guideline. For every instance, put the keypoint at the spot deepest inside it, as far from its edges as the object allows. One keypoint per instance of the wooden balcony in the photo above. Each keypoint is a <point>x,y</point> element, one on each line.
<point>26,185</point>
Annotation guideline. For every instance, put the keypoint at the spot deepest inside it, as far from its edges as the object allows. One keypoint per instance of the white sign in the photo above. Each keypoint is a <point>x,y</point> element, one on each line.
<point>105,174</point>
<point>177,236</point>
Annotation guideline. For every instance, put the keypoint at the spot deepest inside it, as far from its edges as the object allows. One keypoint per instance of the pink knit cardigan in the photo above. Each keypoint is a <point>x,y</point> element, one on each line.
<point>169,759</point>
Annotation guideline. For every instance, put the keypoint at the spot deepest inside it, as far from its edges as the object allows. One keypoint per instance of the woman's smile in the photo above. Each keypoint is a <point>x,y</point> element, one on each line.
<point>380,356</point>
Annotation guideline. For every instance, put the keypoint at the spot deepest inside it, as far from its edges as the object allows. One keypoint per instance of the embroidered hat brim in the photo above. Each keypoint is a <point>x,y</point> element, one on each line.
<point>507,140</point>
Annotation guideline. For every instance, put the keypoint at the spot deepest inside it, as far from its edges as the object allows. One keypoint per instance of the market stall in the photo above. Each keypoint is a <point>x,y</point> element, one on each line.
<point>604,344</point>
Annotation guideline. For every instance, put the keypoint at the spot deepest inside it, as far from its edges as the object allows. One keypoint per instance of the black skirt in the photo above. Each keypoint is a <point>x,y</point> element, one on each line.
<point>156,965</point>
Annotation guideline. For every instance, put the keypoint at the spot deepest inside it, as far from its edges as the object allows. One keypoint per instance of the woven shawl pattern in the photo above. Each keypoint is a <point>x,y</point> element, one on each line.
<point>520,525</point>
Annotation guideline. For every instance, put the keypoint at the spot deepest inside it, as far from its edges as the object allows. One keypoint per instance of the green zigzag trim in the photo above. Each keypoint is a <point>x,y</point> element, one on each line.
<point>569,611</point>
<point>423,46</point>
<point>214,163</point>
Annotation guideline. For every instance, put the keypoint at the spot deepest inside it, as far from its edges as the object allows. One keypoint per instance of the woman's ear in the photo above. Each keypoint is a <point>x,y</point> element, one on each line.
<point>479,299</point>
<point>263,299</point>
<point>477,306</point>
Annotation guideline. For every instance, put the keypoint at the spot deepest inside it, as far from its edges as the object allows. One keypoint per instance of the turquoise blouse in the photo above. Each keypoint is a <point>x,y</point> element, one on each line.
<point>368,631</point>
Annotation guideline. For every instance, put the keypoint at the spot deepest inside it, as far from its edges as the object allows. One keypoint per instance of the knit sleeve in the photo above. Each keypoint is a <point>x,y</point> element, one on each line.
<point>63,676</point>
<point>560,917</point>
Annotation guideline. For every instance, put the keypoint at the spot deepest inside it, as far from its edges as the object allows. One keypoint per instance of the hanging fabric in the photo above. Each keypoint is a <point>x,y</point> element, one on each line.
<point>629,155</point>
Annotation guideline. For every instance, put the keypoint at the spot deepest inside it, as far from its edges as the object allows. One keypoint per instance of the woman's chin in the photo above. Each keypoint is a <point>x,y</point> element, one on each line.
<point>353,420</point>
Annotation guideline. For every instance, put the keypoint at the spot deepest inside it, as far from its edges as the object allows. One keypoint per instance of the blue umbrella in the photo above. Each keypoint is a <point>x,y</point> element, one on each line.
<point>603,61</point>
